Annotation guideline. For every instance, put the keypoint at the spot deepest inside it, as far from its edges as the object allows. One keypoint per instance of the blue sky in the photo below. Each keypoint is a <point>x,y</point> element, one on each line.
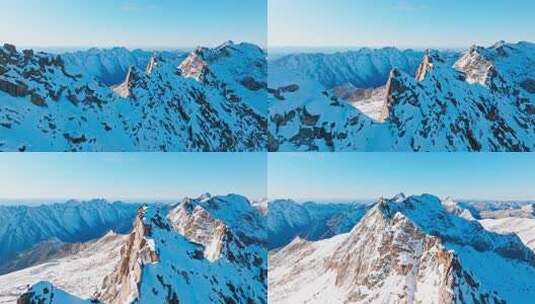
<point>132,23</point>
<point>131,176</point>
<point>349,176</point>
<point>402,23</point>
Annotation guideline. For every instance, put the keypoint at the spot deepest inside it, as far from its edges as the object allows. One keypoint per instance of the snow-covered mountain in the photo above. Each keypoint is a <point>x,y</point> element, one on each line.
<point>111,65</point>
<point>287,219</point>
<point>482,101</point>
<point>204,250</point>
<point>363,68</point>
<point>405,250</point>
<point>207,100</point>
<point>27,233</point>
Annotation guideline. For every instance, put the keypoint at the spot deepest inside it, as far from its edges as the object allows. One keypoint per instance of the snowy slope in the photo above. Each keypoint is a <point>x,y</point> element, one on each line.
<point>78,270</point>
<point>405,251</point>
<point>44,292</point>
<point>287,219</point>
<point>484,101</point>
<point>48,103</point>
<point>523,227</point>
<point>204,250</point>
<point>23,227</point>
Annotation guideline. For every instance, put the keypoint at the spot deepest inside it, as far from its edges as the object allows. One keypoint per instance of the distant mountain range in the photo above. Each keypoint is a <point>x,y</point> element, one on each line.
<point>121,100</point>
<point>392,100</point>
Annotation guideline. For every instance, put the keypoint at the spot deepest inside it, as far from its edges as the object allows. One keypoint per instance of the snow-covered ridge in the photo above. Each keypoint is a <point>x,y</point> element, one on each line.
<point>484,101</point>
<point>52,103</point>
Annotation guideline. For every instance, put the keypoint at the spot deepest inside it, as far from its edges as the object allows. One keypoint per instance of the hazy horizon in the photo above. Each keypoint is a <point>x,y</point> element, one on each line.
<point>130,176</point>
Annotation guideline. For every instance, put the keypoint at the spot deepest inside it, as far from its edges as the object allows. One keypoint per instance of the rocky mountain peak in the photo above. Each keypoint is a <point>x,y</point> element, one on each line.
<point>122,286</point>
<point>194,66</point>
<point>153,61</point>
<point>200,227</point>
<point>10,48</point>
<point>410,247</point>
<point>476,67</point>
<point>394,87</point>
<point>124,89</point>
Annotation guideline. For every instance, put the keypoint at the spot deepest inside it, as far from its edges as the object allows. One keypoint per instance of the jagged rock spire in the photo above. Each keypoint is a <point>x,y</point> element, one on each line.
<point>153,61</point>
<point>123,89</point>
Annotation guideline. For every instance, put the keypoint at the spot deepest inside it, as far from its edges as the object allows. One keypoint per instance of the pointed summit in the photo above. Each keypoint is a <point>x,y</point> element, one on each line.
<point>394,86</point>
<point>204,196</point>
<point>151,65</point>
<point>194,66</point>
<point>431,57</point>
<point>123,89</point>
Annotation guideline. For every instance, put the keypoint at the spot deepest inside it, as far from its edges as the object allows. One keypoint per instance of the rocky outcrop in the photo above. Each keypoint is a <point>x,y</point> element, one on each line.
<point>153,61</point>
<point>194,66</point>
<point>197,225</point>
<point>476,68</point>
<point>425,66</point>
<point>122,286</point>
<point>124,89</point>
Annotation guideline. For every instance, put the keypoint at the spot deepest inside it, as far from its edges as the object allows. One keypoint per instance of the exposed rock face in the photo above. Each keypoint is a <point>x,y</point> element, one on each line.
<point>194,66</point>
<point>123,89</point>
<point>426,65</point>
<point>122,285</point>
<point>476,68</point>
<point>394,87</point>
<point>195,223</point>
<point>399,253</point>
<point>153,61</point>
